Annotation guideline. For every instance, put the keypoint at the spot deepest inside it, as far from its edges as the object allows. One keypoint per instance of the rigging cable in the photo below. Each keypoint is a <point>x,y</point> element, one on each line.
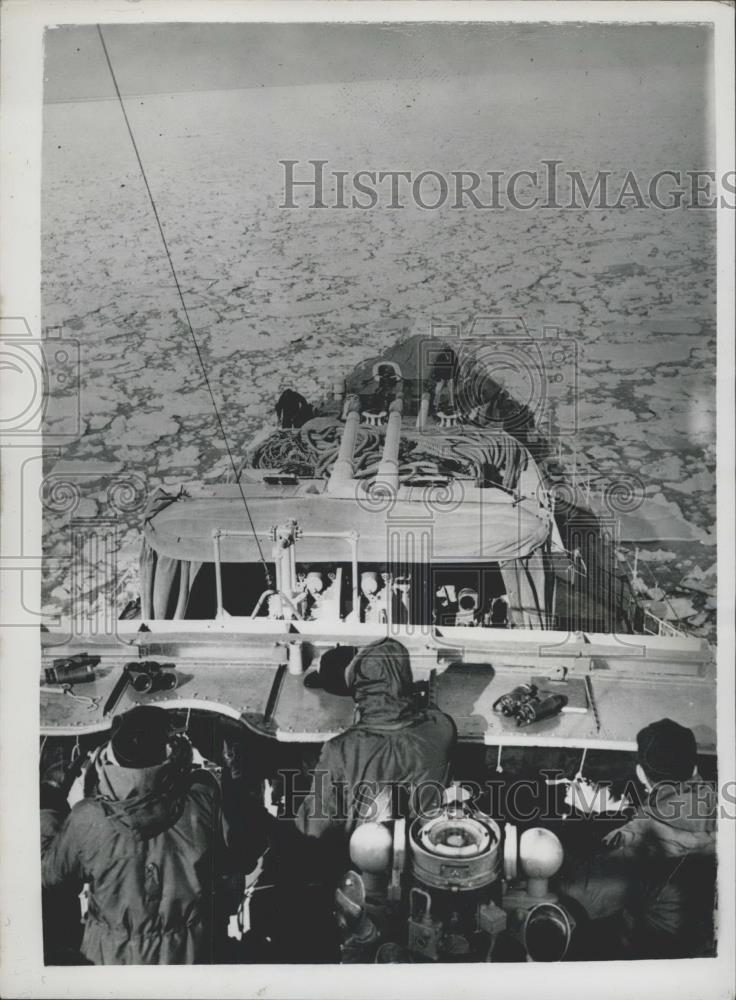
<point>266,570</point>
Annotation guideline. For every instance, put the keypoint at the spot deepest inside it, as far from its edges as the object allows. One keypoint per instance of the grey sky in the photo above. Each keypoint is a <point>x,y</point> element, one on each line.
<point>171,58</point>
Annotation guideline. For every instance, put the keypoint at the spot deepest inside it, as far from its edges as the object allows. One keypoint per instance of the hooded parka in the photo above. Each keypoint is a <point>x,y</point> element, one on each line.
<point>394,759</point>
<point>145,842</point>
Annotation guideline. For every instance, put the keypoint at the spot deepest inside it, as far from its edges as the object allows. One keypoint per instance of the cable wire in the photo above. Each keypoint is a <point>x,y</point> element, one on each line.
<point>184,308</point>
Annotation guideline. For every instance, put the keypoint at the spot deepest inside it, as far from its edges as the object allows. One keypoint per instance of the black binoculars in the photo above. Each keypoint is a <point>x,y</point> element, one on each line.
<point>509,704</point>
<point>527,704</point>
<point>77,669</point>
<point>148,675</point>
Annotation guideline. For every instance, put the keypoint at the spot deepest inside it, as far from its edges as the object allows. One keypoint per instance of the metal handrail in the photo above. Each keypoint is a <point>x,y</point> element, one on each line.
<point>278,593</point>
<point>351,537</point>
<point>663,627</point>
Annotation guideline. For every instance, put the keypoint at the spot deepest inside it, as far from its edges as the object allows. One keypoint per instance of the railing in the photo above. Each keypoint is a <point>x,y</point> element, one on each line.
<point>351,537</point>
<point>658,626</point>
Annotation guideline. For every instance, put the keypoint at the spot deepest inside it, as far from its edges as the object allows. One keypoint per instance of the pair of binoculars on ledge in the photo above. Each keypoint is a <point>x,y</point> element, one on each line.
<point>148,675</point>
<point>527,704</point>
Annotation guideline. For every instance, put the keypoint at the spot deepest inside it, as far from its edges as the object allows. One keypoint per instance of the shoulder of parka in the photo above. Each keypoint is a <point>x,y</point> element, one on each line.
<point>87,812</point>
<point>444,721</point>
<point>204,792</point>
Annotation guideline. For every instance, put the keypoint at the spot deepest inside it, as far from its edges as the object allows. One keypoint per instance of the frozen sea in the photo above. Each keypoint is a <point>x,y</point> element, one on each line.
<point>296,297</point>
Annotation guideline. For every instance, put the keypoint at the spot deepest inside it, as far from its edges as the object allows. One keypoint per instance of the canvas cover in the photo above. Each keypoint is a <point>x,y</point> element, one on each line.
<point>178,537</point>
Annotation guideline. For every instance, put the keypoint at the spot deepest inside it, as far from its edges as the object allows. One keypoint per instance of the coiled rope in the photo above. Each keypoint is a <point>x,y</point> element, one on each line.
<point>310,452</point>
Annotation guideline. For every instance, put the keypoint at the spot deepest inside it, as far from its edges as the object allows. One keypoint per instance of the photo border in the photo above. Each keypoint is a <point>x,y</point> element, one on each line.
<point>21,961</point>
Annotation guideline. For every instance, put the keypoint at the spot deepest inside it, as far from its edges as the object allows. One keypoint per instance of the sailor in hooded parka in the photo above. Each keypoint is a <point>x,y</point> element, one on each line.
<point>395,758</point>
<point>149,843</point>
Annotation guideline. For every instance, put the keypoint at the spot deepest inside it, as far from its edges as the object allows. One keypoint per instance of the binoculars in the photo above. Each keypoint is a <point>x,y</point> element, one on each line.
<point>527,704</point>
<point>148,675</point>
<point>509,704</point>
<point>77,669</point>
